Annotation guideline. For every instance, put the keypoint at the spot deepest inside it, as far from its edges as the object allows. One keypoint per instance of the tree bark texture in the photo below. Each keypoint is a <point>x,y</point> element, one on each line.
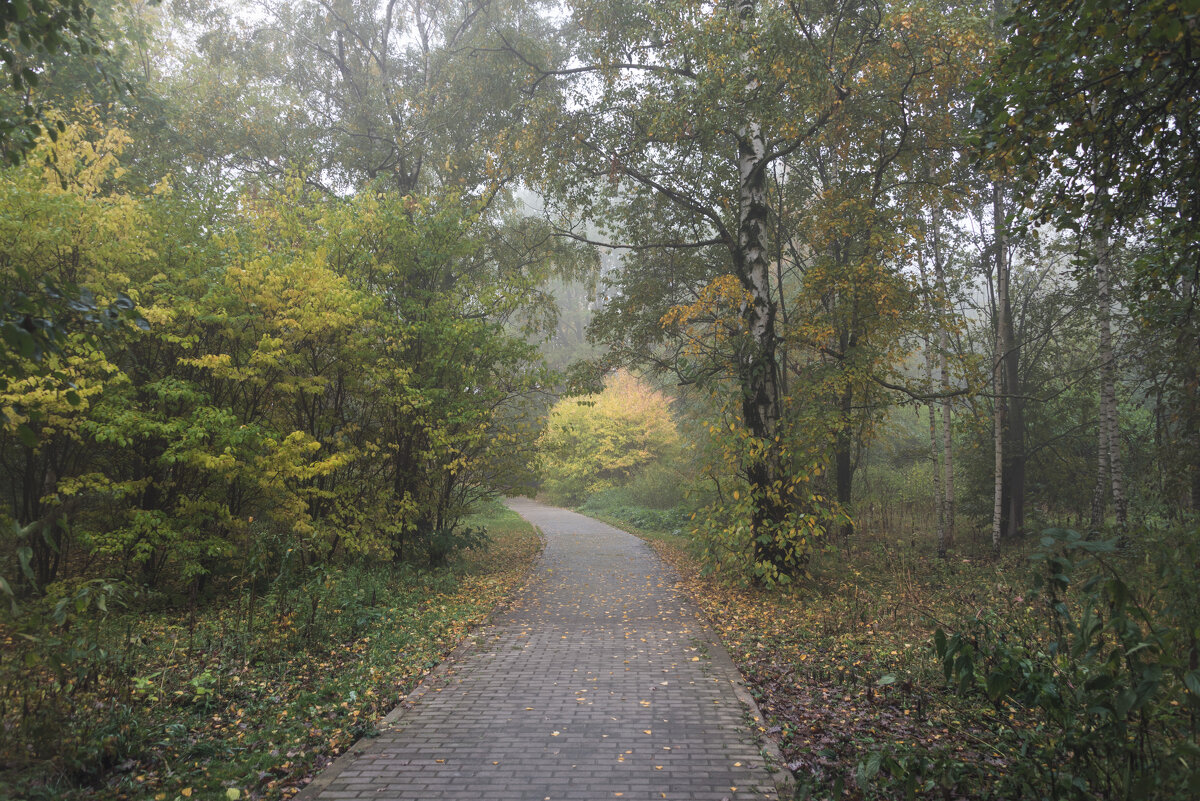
<point>998,399</point>
<point>1013,430</point>
<point>1110,431</point>
<point>939,270</point>
<point>759,369</point>
<point>1013,482</point>
<point>844,457</point>
<point>934,460</point>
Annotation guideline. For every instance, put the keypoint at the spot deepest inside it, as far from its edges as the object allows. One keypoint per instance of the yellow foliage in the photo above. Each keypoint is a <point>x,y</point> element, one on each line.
<point>602,441</point>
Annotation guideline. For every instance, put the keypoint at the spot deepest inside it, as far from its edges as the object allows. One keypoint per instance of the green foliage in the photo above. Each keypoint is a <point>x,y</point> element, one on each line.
<point>1094,696</point>
<point>1097,99</point>
<point>255,691</point>
<point>778,551</point>
<point>627,506</point>
<point>773,555</point>
<point>270,315</point>
<point>1092,105</point>
<point>100,688</point>
<point>32,34</point>
<point>320,378</point>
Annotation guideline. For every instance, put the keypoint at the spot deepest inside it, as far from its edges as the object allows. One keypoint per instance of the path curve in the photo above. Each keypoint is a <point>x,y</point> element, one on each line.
<point>600,681</point>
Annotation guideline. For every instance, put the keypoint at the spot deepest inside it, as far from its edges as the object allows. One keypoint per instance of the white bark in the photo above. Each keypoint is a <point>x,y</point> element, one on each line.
<point>1001,260</point>
<point>939,271</point>
<point>759,368</point>
<point>938,500</point>
<point>1109,427</point>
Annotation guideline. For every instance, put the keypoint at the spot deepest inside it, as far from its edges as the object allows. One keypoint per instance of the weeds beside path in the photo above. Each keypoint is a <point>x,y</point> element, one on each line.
<point>216,704</point>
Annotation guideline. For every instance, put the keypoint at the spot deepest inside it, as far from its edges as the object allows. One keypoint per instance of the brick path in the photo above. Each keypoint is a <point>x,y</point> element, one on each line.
<point>600,682</point>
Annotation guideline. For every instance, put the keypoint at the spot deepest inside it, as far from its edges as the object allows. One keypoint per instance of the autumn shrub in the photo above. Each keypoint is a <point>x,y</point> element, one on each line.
<point>311,380</point>
<point>622,437</point>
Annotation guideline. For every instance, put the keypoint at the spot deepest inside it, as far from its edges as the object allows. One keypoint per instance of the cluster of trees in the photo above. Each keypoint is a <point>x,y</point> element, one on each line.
<point>314,375</point>
<point>267,303</point>
<point>624,437</point>
<point>296,227</point>
<point>845,206</point>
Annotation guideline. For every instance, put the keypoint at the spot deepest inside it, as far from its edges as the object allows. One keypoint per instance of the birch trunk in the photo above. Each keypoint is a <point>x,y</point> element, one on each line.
<point>759,370</point>
<point>998,404</point>
<point>1110,437</point>
<point>939,272</point>
<point>933,437</point>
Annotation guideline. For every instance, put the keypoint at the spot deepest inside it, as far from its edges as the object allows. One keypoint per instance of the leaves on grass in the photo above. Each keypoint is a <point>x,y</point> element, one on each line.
<point>203,718</point>
<point>837,676</point>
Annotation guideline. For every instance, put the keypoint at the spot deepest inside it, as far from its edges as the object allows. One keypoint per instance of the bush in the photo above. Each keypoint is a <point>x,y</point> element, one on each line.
<point>1094,694</point>
<point>624,505</point>
<point>600,442</point>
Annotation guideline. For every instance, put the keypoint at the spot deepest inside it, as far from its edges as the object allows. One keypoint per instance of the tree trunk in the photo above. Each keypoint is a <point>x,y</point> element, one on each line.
<point>759,370</point>
<point>1109,420</point>
<point>998,410</point>
<point>938,499</point>
<point>844,446</point>
<point>1014,418</point>
<point>938,503</point>
<point>1102,470</point>
<point>1013,432</point>
<point>1192,434</point>
<point>1187,347</point>
<point>947,410</point>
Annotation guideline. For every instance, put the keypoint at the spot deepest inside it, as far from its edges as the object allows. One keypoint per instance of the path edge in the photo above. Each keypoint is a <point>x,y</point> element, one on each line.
<point>468,643</point>
<point>785,780</point>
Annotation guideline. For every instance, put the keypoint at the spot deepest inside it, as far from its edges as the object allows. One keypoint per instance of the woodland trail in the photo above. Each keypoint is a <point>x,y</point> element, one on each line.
<point>599,682</point>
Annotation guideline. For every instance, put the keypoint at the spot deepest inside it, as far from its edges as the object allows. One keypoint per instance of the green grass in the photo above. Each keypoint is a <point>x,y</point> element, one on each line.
<point>619,505</point>
<point>217,703</point>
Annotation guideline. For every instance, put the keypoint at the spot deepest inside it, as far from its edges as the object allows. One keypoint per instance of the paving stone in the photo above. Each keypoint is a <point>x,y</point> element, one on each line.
<point>599,682</point>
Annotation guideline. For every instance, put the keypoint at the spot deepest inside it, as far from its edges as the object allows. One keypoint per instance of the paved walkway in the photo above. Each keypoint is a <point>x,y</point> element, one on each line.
<point>598,683</point>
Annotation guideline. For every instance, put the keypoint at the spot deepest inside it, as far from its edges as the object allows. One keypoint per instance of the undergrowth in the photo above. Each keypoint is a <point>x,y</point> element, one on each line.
<point>244,697</point>
<point>1064,668</point>
<point>621,506</point>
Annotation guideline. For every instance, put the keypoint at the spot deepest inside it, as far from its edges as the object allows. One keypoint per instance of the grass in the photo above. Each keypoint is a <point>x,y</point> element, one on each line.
<point>218,703</point>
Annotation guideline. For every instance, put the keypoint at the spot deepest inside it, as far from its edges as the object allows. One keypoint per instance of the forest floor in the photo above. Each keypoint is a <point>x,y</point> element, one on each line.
<point>843,667</point>
<point>226,705</point>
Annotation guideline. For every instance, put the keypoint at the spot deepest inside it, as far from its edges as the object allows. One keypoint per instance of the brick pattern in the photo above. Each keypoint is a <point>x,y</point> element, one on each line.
<point>599,682</point>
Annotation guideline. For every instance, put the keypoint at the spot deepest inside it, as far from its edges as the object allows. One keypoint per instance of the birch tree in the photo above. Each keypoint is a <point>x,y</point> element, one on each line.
<point>1110,474</point>
<point>683,108</point>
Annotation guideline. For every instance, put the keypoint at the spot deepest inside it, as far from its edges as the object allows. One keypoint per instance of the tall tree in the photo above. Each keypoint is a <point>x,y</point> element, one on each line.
<point>641,100</point>
<point>1110,472</point>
